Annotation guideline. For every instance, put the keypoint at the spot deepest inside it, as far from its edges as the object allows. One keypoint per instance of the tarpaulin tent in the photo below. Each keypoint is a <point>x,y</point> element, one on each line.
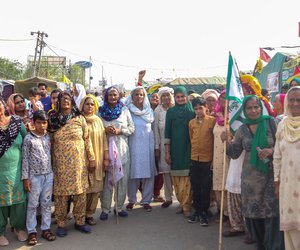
<point>199,84</point>
<point>277,72</point>
<point>22,86</point>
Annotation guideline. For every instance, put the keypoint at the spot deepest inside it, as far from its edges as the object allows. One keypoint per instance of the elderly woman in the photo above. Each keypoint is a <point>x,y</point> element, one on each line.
<point>260,205</point>
<point>79,93</point>
<point>178,148</point>
<point>73,156</point>
<point>286,169</point>
<point>279,106</point>
<point>166,101</point>
<point>17,106</point>
<point>141,144</point>
<point>118,126</point>
<point>218,159</point>
<point>12,195</point>
<point>89,106</point>
<point>211,96</point>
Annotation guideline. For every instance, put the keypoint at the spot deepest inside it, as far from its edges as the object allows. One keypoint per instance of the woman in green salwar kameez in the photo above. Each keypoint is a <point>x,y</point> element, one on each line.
<point>12,195</point>
<point>178,147</point>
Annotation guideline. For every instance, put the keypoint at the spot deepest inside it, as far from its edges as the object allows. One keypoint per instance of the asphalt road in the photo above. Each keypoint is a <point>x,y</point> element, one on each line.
<point>161,229</point>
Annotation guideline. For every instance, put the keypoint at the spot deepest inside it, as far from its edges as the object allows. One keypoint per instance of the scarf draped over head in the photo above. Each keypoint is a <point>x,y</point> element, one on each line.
<point>296,79</point>
<point>164,90</point>
<point>81,93</point>
<point>56,118</point>
<point>183,112</point>
<point>11,103</point>
<point>281,98</point>
<point>108,113</point>
<point>291,124</point>
<point>252,84</point>
<point>9,135</point>
<point>260,136</point>
<point>210,93</point>
<point>219,110</point>
<point>146,113</point>
<point>96,103</point>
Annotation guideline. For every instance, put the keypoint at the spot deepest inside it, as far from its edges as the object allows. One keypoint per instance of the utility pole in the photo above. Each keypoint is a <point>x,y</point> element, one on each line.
<point>38,51</point>
<point>90,71</point>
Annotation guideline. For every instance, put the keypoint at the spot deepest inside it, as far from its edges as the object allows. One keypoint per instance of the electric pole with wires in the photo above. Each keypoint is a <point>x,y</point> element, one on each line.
<point>38,51</point>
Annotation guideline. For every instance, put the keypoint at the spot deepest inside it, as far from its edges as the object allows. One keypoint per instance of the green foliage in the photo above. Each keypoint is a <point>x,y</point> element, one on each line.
<point>11,69</point>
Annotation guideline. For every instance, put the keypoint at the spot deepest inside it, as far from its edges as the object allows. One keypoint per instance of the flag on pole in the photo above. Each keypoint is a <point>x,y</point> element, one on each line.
<point>115,170</point>
<point>66,80</point>
<point>234,95</point>
<point>264,56</point>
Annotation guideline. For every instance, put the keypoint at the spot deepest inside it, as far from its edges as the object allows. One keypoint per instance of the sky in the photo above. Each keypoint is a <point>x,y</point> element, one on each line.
<point>168,38</point>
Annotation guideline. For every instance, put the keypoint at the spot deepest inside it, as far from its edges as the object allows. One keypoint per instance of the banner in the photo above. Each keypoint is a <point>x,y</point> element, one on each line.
<point>234,95</point>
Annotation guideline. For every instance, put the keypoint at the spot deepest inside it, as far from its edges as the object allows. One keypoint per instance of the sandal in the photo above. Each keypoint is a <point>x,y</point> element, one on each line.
<point>166,204</point>
<point>48,235</point>
<point>32,239</point>
<point>90,221</point>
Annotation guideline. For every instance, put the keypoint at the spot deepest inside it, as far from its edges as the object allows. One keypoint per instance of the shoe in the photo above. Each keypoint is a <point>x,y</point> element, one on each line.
<point>166,204</point>
<point>232,233</point>
<point>186,214</point>
<point>147,207</point>
<point>103,216</point>
<point>158,199</point>
<point>129,206</point>
<point>61,232</point>
<point>179,210</point>
<point>21,235</point>
<point>248,239</point>
<point>83,228</point>
<point>3,241</point>
<point>90,221</point>
<point>121,213</point>
<point>193,218</point>
<point>203,221</point>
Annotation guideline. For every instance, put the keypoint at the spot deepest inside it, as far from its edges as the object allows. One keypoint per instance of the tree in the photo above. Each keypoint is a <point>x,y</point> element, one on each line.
<point>11,69</point>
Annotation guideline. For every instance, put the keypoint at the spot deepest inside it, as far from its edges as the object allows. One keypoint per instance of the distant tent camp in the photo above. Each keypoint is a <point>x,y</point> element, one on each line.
<point>22,86</point>
<point>199,84</point>
<point>278,72</point>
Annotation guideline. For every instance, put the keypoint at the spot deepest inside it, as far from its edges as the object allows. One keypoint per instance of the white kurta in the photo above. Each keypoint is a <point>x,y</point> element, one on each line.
<point>159,134</point>
<point>286,168</point>
<point>141,144</point>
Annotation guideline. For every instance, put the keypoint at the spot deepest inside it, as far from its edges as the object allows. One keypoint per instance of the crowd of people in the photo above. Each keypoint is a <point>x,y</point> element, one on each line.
<point>72,148</point>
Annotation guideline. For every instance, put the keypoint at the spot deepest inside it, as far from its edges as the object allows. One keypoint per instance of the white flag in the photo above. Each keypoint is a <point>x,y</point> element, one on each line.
<point>234,95</point>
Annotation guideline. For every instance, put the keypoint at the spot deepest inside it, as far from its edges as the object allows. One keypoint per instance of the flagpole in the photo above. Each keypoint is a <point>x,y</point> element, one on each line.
<point>223,179</point>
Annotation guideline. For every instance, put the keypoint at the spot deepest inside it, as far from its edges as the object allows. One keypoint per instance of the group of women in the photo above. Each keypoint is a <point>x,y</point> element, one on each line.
<point>147,143</point>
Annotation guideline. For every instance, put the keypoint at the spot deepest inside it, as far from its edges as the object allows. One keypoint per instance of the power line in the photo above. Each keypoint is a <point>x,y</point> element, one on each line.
<point>15,40</point>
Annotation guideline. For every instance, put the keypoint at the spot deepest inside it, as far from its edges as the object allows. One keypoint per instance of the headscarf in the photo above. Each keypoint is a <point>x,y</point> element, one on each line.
<point>96,103</point>
<point>297,80</point>
<point>108,113</point>
<point>11,103</point>
<point>185,112</point>
<point>164,90</point>
<point>210,93</point>
<point>291,124</point>
<point>281,98</point>
<point>252,84</point>
<point>219,110</point>
<point>260,136</point>
<point>9,135</point>
<point>56,118</point>
<point>146,113</point>
<point>81,93</point>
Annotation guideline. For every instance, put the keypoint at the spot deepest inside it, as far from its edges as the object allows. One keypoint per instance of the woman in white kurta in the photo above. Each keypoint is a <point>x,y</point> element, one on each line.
<point>118,125</point>
<point>286,162</point>
<point>141,144</point>
<point>218,160</point>
<point>166,100</point>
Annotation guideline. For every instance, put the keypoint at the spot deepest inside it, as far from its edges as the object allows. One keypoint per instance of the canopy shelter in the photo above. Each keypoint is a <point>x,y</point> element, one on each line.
<point>22,86</point>
<point>199,84</point>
